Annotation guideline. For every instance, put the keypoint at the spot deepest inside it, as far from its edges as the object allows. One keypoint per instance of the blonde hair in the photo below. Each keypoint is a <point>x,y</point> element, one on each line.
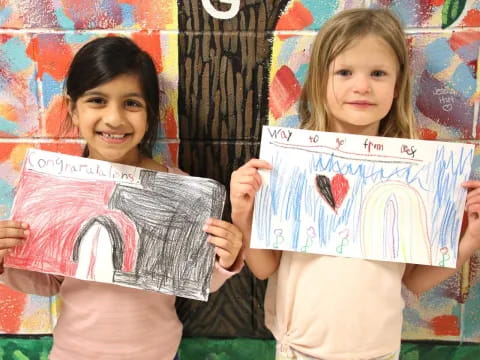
<point>334,37</point>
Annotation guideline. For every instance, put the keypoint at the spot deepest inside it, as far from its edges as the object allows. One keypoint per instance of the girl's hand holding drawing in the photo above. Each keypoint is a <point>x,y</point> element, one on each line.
<point>244,184</point>
<point>471,239</point>
<point>12,233</point>
<point>227,240</point>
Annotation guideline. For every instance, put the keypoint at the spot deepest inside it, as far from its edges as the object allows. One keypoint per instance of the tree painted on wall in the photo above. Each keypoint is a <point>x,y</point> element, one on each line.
<point>225,49</point>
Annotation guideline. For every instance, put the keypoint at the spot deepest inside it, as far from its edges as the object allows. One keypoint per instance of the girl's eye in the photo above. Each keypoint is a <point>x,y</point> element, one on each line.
<point>344,72</point>
<point>133,103</point>
<point>96,100</point>
<point>378,73</point>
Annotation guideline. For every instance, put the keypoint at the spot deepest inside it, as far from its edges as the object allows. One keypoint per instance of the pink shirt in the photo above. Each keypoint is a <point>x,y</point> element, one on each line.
<point>110,322</point>
<point>335,308</point>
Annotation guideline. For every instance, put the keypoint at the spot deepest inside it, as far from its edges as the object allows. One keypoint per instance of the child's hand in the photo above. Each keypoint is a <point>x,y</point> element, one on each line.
<point>227,239</point>
<point>12,233</point>
<point>244,184</point>
<point>472,207</point>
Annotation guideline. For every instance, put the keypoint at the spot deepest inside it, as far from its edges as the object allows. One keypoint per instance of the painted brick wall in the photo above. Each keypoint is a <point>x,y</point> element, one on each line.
<point>224,72</point>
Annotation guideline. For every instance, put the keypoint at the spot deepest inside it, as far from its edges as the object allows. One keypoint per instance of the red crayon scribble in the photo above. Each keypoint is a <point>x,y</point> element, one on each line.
<point>340,188</point>
<point>56,225</point>
<point>284,91</point>
<point>11,309</point>
<point>298,17</point>
<point>445,325</point>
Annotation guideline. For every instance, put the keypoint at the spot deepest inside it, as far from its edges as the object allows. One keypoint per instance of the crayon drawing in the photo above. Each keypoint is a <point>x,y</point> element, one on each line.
<point>361,196</point>
<point>118,224</point>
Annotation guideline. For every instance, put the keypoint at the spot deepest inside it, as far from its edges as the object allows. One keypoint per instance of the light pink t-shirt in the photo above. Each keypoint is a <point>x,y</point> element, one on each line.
<point>110,322</point>
<point>335,308</point>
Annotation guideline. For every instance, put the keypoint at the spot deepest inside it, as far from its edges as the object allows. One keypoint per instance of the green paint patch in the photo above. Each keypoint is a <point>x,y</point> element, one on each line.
<point>37,348</point>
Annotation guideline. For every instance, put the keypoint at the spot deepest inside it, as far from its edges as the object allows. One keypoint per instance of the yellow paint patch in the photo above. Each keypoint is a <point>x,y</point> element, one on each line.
<point>18,154</point>
<point>8,112</point>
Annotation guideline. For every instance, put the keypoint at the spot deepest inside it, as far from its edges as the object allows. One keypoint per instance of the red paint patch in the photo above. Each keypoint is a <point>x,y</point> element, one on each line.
<point>5,150</point>
<point>85,15</point>
<point>437,2</point>
<point>11,309</point>
<point>173,148</point>
<point>284,91</point>
<point>150,42</point>
<point>4,38</point>
<point>445,325</point>
<point>64,148</point>
<point>459,39</point>
<point>298,17</point>
<point>52,54</point>
<point>472,18</point>
<point>170,123</point>
<point>55,118</point>
<point>427,134</point>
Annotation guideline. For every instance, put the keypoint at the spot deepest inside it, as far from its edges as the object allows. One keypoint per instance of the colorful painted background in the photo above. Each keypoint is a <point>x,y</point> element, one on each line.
<point>39,37</point>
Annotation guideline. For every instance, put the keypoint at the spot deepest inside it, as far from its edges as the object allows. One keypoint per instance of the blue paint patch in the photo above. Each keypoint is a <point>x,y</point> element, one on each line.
<point>407,11</point>
<point>301,73</point>
<point>8,126</point>
<point>161,150</point>
<point>77,38</point>
<point>288,48</point>
<point>292,121</point>
<point>5,14</point>
<point>32,86</point>
<point>127,15</point>
<point>63,20</point>
<point>14,53</point>
<point>438,55</point>
<point>50,88</point>
<point>462,80</point>
<point>6,199</point>
<point>322,11</point>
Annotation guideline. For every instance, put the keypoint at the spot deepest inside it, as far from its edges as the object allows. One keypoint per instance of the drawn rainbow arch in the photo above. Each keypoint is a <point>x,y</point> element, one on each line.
<point>395,213</point>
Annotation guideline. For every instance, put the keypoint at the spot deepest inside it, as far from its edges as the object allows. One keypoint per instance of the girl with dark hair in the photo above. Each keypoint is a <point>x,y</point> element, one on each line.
<point>113,100</point>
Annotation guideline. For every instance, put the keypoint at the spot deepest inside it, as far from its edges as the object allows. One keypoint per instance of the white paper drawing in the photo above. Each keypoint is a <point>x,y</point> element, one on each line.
<point>119,224</point>
<point>361,196</point>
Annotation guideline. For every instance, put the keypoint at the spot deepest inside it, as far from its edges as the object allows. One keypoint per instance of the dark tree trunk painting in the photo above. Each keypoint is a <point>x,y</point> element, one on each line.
<point>225,50</point>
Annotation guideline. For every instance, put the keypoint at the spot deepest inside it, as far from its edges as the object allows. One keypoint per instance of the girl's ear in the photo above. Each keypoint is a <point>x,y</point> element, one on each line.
<point>71,110</point>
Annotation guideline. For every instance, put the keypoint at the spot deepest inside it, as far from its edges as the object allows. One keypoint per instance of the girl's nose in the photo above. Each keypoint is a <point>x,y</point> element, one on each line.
<point>362,84</point>
<point>114,115</point>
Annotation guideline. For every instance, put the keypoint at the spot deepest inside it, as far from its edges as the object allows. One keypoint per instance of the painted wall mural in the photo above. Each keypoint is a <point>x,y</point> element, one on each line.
<point>226,68</point>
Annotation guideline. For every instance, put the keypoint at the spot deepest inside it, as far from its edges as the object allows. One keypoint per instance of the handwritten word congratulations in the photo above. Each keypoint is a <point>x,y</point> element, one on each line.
<point>79,168</point>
